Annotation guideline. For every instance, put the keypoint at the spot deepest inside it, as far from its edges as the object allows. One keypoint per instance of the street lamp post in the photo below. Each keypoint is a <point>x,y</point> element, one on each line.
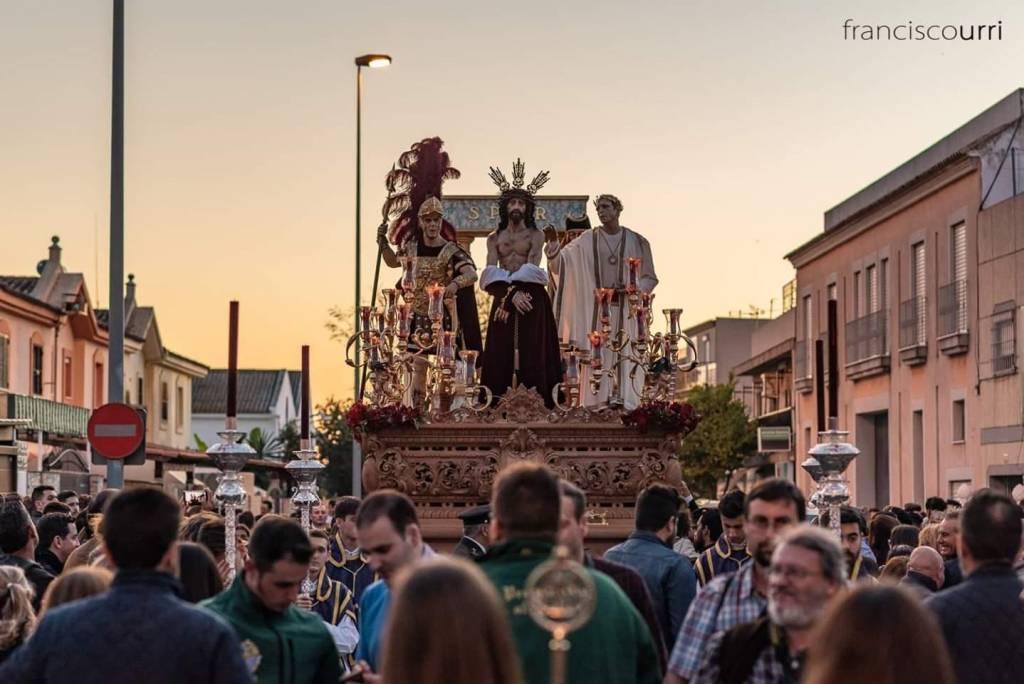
<point>373,61</point>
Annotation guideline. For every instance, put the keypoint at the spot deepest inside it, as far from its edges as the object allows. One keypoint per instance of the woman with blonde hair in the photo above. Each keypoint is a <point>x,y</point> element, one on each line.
<point>929,536</point>
<point>424,647</point>
<point>878,634</point>
<point>81,582</point>
<point>17,619</point>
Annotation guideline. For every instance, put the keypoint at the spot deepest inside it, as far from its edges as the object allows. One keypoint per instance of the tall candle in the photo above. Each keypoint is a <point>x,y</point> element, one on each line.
<point>603,295</point>
<point>435,306</point>
<point>364,318</point>
<point>446,347</point>
<point>404,321</point>
<point>641,323</point>
<point>633,277</point>
<point>647,300</point>
<point>232,408</point>
<point>596,340</point>
<point>572,367</point>
<point>304,434</point>
<point>408,275</point>
<point>469,366</point>
<point>377,321</point>
<point>672,315</point>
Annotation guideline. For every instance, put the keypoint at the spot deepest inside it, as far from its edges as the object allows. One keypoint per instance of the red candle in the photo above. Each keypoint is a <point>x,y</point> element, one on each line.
<point>435,305</point>
<point>232,360</point>
<point>633,278</point>
<point>305,392</point>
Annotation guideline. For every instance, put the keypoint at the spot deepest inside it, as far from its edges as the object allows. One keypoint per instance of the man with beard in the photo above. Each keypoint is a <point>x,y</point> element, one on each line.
<point>852,529</point>
<point>522,342</point>
<point>599,259</point>
<point>770,508</point>
<point>806,571</point>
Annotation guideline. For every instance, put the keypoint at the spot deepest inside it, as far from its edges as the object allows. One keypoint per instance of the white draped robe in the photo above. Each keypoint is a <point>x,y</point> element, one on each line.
<point>584,266</point>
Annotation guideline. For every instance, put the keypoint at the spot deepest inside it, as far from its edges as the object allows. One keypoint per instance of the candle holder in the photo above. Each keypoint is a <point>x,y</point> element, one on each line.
<point>471,389</point>
<point>833,455</point>
<point>569,388</point>
<point>304,470</point>
<point>230,456</point>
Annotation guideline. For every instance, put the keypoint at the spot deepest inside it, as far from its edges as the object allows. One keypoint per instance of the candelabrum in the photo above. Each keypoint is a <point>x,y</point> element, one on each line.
<point>833,455</point>
<point>230,456</point>
<point>396,344</point>
<point>813,468</point>
<point>304,470</point>
<point>652,358</point>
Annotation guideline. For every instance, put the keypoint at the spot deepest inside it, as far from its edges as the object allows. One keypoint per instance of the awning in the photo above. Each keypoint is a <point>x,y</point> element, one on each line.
<point>767,360</point>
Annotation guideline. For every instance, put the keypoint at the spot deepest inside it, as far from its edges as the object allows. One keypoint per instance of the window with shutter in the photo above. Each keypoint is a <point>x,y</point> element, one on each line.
<point>918,284</point>
<point>5,347</point>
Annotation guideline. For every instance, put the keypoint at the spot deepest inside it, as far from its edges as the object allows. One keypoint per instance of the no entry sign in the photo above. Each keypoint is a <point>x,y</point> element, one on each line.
<point>116,431</point>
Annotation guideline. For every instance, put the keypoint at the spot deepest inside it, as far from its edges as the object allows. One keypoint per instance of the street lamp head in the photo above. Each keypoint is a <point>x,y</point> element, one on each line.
<point>373,61</point>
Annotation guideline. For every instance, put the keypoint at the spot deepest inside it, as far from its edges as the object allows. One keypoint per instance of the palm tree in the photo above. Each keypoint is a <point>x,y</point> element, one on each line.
<point>265,444</point>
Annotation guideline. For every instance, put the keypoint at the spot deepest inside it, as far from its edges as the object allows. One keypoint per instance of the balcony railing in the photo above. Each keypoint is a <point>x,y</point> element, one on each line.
<point>48,416</point>
<point>866,337</point>
<point>953,308</point>
<point>913,322</point>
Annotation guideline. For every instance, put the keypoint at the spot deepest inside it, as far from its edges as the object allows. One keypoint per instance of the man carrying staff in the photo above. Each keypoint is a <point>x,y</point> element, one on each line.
<point>598,259</point>
<point>522,341</point>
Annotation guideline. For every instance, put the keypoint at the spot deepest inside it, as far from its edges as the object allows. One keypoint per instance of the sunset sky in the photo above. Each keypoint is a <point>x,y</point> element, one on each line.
<point>727,129</point>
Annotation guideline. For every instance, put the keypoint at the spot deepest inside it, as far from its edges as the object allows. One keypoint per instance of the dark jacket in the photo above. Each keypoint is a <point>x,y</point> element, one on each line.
<point>48,559</point>
<point>292,647</point>
<point>469,548</point>
<point>720,559</point>
<point>983,622</point>
<point>35,573</point>
<point>139,631</point>
<point>922,585</point>
<point>632,585</point>
<point>613,647</point>
<point>669,577</point>
<point>954,575</point>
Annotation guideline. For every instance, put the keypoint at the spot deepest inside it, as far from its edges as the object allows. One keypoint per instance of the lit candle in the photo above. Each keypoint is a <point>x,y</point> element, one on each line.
<point>446,348</point>
<point>596,340</point>
<point>672,316</point>
<point>404,321</point>
<point>232,360</point>
<point>377,321</point>
<point>304,433</point>
<point>435,304</point>
<point>641,323</point>
<point>604,295</point>
<point>468,367</point>
<point>408,275</point>
<point>389,298</point>
<point>633,277</point>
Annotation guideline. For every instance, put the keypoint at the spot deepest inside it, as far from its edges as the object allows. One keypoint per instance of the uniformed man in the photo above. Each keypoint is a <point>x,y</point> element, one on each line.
<point>331,600</point>
<point>853,529</point>
<point>346,563</point>
<point>730,550</point>
<point>474,532</point>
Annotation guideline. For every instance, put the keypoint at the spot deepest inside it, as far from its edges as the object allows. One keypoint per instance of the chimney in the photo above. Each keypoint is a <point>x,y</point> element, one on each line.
<point>129,296</point>
<point>55,250</point>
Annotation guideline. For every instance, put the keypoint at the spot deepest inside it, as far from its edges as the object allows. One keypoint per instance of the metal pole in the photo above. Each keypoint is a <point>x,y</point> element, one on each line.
<point>115,358</point>
<point>357,454</point>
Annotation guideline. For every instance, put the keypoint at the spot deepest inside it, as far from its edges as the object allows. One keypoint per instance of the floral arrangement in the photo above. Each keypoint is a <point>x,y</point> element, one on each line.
<point>671,417</point>
<point>363,418</point>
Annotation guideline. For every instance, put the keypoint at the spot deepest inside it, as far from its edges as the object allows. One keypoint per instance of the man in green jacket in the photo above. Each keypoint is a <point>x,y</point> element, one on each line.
<point>281,644</point>
<point>615,646</point>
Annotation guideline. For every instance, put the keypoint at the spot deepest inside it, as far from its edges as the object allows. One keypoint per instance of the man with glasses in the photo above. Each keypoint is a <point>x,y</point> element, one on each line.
<point>770,508</point>
<point>807,569</point>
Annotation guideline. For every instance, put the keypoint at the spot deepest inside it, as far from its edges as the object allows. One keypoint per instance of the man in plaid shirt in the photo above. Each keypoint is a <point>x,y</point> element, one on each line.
<point>729,600</point>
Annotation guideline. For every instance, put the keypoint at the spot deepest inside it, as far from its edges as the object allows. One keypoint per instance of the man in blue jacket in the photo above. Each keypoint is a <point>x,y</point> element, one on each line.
<point>668,575</point>
<point>139,631</point>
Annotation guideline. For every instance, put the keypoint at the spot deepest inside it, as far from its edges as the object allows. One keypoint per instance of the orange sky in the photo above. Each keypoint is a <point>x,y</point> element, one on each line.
<point>726,128</point>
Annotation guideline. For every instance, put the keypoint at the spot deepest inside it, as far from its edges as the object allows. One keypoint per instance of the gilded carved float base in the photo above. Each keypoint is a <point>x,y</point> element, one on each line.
<point>450,463</point>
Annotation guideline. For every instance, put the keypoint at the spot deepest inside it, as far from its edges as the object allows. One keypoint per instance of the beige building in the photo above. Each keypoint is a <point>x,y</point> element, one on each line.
<point>927,267</point>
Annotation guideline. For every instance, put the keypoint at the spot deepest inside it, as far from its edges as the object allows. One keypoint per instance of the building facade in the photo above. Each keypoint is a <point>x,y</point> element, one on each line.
<point>722,344</point>
<point>267,399</point>
<point>923,265</point>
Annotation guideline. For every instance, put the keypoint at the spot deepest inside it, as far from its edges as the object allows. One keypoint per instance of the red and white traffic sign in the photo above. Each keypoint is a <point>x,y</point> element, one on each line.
<point>116,431</point>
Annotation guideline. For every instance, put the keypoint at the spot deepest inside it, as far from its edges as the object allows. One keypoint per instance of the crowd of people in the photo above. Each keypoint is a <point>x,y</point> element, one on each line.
<point>134,586</point>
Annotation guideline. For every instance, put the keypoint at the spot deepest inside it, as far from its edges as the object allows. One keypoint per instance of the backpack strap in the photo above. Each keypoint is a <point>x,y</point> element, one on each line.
<point>740,649</point>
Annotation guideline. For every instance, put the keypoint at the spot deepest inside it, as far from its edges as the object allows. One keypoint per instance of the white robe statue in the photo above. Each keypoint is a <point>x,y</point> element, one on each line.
<point>593,260</point>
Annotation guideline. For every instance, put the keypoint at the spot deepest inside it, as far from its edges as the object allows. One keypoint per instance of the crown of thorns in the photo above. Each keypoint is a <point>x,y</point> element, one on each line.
<point>518,179</point>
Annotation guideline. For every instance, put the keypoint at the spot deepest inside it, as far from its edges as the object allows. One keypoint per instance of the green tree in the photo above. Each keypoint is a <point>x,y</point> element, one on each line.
<point>722,441</point>
<point>265,444</point>
<point>335,440</point>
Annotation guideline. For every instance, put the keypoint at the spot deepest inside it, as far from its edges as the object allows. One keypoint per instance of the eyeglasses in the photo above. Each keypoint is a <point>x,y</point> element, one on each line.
<point>791,572</point>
